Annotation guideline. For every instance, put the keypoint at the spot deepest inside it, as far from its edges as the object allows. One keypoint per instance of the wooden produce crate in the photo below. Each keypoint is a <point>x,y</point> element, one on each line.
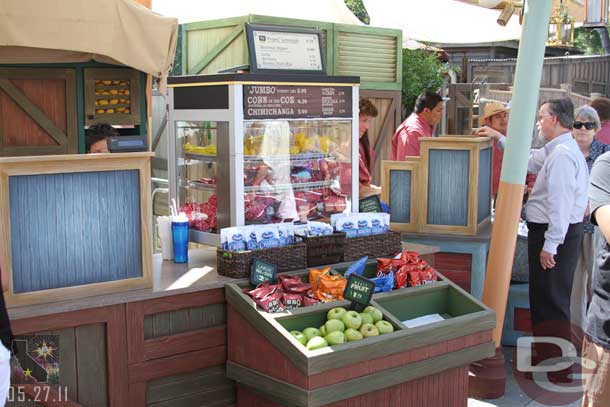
<point>112,95</point>
<point>426,365</point>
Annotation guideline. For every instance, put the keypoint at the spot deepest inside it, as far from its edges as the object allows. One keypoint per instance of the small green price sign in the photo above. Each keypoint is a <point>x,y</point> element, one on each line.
<point>359,291</point>
<point>262,271</point>
<point>370,204</point>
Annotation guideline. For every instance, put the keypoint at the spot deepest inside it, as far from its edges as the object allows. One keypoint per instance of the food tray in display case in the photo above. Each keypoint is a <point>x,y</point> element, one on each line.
<point>259,149</point>
<point>263,354</point>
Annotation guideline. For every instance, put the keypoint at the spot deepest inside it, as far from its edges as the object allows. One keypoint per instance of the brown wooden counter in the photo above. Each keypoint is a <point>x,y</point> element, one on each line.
<point>164,346</point>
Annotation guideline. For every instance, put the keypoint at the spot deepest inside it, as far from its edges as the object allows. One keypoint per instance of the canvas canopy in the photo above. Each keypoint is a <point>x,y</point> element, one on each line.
<point>187,11</point>
<point>110,31</point>
<point>442,21</point>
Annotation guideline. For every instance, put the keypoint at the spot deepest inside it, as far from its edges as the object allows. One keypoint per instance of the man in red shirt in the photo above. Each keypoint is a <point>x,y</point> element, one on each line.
<point>494,123</point>
<point>428,112</point>
<point>602,106</point>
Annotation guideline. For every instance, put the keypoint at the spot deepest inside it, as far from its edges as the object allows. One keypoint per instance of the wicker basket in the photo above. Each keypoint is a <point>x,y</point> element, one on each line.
<point>237,264</point>
<point>323,250</point>
<point>382,245</point>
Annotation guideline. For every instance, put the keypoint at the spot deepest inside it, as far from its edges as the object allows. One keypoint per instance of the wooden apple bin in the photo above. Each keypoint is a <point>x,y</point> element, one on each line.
<point>427,365</point>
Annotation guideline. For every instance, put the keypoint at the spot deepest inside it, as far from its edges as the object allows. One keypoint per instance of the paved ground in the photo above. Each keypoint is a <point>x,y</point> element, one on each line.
<point>514,396</point>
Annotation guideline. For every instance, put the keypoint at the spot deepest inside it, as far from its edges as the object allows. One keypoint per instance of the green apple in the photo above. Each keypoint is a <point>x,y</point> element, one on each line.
<point>351,319</point>
<point>352,335</point>
<point>322,330</point>
<point>366,318</point>
<point>334,325</point>
<point>310,333</point>
<point>374,312</point>
<point>368,330</point>
<point>336,313</point>
<point>316,342</point>
<point>384,327</point>
<point>299,336</point>
<point>335,338</point>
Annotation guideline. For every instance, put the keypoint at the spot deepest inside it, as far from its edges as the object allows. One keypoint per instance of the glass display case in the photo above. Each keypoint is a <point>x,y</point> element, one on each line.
<point>262,153</point>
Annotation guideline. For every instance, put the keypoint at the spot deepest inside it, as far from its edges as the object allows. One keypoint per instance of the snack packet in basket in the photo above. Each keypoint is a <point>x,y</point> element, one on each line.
<point>330,288</point>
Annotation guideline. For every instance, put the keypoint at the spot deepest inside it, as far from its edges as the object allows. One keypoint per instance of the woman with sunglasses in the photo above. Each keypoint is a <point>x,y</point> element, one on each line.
<point>586,126</point>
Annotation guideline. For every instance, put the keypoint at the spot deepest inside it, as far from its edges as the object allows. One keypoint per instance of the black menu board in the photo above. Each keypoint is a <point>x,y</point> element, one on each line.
<point>292,101</point>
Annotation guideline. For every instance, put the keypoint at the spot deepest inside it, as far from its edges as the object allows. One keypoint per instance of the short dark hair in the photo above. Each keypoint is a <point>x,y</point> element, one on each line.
<point>563,110</point>
<point>602,105</point>
<point>99,132</point>
<point>367,108</point>
<point>427,100</point>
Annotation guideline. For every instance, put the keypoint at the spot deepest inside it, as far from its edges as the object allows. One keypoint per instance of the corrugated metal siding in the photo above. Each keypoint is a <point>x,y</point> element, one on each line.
<point>79,249</point>
<point>372,57</point>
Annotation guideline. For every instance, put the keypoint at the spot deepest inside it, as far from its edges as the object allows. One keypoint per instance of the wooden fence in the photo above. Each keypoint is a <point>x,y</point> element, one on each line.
<point>584,74</point>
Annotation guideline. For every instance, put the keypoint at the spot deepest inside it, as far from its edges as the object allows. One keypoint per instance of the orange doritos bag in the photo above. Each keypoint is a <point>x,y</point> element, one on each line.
<point>330,288</point>
<point>314,275</point>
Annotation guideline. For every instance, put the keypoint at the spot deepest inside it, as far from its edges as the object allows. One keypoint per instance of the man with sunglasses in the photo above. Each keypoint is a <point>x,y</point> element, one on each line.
<point>554,214</point>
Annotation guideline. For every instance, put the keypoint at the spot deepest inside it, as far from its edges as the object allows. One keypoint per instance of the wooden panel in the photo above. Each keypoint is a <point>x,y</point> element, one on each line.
<point>64,233</point>
<point>484,187</point>
<point>112,74</point>
<point>448,183</point>
<point>446,389</point>
<point>206,310</point>
<point>400,196</point>
<point>200,42</point>
<point>184,320</point>
<point>37,111</point>
<point>156,369</point>
<point>523,320</point>
<point>91,365</point>
<point>203,387</point>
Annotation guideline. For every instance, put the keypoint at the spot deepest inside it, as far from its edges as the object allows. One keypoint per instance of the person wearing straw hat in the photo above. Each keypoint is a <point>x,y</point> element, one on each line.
<point>494,123</point>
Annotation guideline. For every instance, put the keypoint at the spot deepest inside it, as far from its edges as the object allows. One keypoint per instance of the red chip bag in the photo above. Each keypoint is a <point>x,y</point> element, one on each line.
<point>292,300</point>
<point>428,276</point>
<point>273,302</point>
<point>309,299</point>
<point>294,284</point>
<point>385,266</point>
<point>409,257</point>
<point>400,277</point>
<point>414,279</point>
<point>260,291</point>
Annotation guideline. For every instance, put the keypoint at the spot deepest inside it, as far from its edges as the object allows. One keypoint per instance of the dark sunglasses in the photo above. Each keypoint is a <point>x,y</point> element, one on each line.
<point>588,125</point>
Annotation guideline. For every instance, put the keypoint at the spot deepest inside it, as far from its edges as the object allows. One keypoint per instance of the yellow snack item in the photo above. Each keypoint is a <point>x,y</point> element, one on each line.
<point>127,110</point>
<point>103,102</point>
<point>299,139</point>
<point>126,92</point>
<point>100,111</point>
<point>123,83</point>
<point>324,144</point>
<point>109,111</point>
<point>116,82</point>
<point>114,101</point>
<point>114,92</point>
<point>294,150</point>
<point>120,109</point>
<point>107,82</point>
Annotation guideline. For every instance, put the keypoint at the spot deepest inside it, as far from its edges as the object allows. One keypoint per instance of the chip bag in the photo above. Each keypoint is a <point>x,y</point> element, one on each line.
<point>330,288</point>
<point>384,283</point>
<point>357,267</point>
<point>314,275</point>
<point>293,284</point>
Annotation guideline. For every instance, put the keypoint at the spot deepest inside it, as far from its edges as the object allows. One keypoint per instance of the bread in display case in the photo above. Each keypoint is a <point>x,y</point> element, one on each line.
<point>247,151</point>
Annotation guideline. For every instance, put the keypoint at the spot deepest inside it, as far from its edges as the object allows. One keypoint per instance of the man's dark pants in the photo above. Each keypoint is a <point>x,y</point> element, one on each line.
<point>549,290</point>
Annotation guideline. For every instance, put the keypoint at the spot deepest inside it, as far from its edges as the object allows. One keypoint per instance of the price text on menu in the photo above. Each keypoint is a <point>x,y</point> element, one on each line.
<point>287,101</point>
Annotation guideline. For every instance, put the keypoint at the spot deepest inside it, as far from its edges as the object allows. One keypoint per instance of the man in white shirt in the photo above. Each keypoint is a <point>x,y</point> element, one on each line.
<point>554,214</point>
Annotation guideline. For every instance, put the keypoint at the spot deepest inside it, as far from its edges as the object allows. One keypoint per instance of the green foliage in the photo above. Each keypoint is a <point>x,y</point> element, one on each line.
<point>357,7</point>
<point>421,71</point>
<point>588,41</point>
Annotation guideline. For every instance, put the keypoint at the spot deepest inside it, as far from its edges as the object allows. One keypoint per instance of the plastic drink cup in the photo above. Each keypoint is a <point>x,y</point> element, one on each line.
<point>180,236</point>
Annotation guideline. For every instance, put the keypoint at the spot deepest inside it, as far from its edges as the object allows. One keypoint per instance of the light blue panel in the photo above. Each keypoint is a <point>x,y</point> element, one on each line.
<point>518,297</point>
<point>400,196</point>
<point>484,192</point>
<point>74,229</point>
<point>448,187</point>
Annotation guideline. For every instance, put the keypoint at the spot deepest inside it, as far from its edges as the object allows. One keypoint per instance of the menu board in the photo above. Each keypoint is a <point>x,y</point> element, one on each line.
<point>288,101</point>
<point>287,50</point>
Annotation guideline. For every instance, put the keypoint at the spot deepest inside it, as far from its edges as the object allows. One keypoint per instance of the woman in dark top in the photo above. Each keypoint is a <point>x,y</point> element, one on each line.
<point>586,126</point>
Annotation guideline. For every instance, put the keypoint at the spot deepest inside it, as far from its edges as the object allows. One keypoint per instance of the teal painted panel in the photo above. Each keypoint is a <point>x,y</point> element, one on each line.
<point>74,229</point>
<point>484,192</point>
<point>448,187</point>
<point>400,196</point>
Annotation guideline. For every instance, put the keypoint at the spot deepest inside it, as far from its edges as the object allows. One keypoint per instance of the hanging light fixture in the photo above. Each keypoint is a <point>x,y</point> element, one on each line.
<point>561,27</point>
<point>596,13</point>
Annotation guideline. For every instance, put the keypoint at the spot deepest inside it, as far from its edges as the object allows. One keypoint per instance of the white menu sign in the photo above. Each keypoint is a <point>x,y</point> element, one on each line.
<point>286,51</point>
